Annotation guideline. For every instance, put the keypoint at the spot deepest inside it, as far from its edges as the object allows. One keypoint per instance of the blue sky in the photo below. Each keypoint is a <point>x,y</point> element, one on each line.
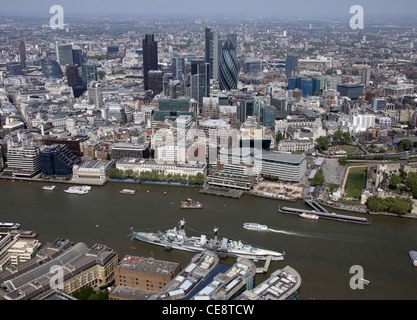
<point>200,8</point>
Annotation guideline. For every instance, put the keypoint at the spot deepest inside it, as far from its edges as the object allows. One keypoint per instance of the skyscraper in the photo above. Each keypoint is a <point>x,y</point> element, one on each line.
<point>77,57</point>
<point>72,75</point>
<point>51,68</point>
<point>178,65</point>
<point>200,81</point>
<point>155,81</point>
<point>291,64</point>
<point>22,53</point>
<point>366,76</point>
<point>228,66</point>
<point>209,50</point>
<point>88,73</point>
<point>150,57</point>
<point>64,54</point>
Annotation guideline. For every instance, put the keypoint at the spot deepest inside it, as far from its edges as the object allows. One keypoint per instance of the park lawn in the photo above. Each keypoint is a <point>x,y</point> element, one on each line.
<point>354,150</point>
<point>356,182</point>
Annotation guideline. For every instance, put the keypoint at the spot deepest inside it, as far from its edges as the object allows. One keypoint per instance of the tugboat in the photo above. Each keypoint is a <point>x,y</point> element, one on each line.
<point>191,204</point>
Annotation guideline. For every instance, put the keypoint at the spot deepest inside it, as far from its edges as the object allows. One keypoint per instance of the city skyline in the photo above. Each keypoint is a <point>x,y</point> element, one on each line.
<point>216,8</point>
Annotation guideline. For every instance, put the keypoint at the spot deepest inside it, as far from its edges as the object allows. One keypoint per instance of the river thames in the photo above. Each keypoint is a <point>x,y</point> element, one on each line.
<point>322,251</point>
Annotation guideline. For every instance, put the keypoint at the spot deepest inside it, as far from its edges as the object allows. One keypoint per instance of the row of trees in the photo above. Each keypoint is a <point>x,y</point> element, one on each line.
<point>114,173</point>
<point>338,138</point>
<point>396,205</point>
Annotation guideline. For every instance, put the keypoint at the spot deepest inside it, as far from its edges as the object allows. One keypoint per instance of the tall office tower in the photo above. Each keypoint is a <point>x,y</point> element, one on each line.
<point>88,73</point>
<point>150,57</point>
<point>366,76</point>
<point>269,114</point>
<point>218,45</point>
<point>64,54</point>
<point>72,75</point>
<point>200,81</point>
<point>178,65</point>
<point>95,95</point>
<point>291,64</point>
<point>228,67</point>
<point>22,53</point>
<point>209,50</point>
<point>77,57</point>
<point>156,81</point>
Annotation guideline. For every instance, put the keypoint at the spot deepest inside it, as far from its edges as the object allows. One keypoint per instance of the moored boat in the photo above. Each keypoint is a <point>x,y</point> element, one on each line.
<point>9,225</point>
<point>177,239</point>
<point>128,191</point>
<point>49,188</point>
<point>309,216</point>
<point>191,204</point>
<point>78,190</point>
<point>413,256</point>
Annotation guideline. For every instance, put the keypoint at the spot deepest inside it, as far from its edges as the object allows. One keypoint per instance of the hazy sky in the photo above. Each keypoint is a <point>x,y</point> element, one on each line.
<point>200,8</point>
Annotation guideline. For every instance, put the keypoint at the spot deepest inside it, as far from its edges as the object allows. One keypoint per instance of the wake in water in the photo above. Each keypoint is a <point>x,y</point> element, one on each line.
<point>317,236</point>
<point>293,233</point>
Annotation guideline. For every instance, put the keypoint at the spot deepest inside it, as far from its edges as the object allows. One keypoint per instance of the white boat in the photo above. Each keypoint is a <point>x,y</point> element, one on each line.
<point>49,188</point>
<point>127,191</point>
<point>413,256</point>
<point>78,190</point>
<point>309,216</point>
<point>255,226</point>
<point>9,225</point>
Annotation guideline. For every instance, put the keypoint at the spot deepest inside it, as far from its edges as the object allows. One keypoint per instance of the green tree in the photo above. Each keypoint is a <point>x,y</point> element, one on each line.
<point>395,180</point>
<point>405,145</point>
<point>322,143</point>
<point>318,178</point>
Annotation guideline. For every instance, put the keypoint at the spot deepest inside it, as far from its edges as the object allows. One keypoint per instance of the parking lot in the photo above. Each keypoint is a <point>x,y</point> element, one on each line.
<point>333,173</point>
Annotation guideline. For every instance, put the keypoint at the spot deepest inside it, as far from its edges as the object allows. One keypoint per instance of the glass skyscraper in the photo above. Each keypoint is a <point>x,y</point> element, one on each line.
<point>291,64</point>
<point>51,68</point>
<point>200,81</point>
<point>64,54</point>
<point>88,73</point>
<point>228,66</point>
<point>150,57</point>
<point>209,50</point>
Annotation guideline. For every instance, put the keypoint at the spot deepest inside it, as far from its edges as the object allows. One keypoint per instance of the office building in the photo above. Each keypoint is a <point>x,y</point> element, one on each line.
<point>291,64</point>
<point>285,167</point>
<point>366,76</point>
<point>269,114</point>
<point>57,160</point>
<point>352,91</point>
<point>172,108</point>
<point>378,104</point>
<point>113,50</point>
<point>150,57</point>
<point>22,54</point>
<point>200,81</point>
<point>178,65</point>
<point>77,56</point>
<point>73,145</point>
<point>253,65</point>
<point>122,150</point>
<point>51,68</point>
<point>88,73</point>
<point>15,69</point>
<point>64,54</point>
<point>309,85</point>
<point>156,81</point>
<point>95,95</point>
<point>23,161</point>
<point>145,273</point>
<point>81,267</point>
<point>209,50</point>
<point>73,78</point>
<point>228,67</point>
<point>92,172</point>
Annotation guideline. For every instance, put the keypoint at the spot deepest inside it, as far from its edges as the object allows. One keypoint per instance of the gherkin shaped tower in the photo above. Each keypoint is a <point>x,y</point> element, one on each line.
<point>228,66</point>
